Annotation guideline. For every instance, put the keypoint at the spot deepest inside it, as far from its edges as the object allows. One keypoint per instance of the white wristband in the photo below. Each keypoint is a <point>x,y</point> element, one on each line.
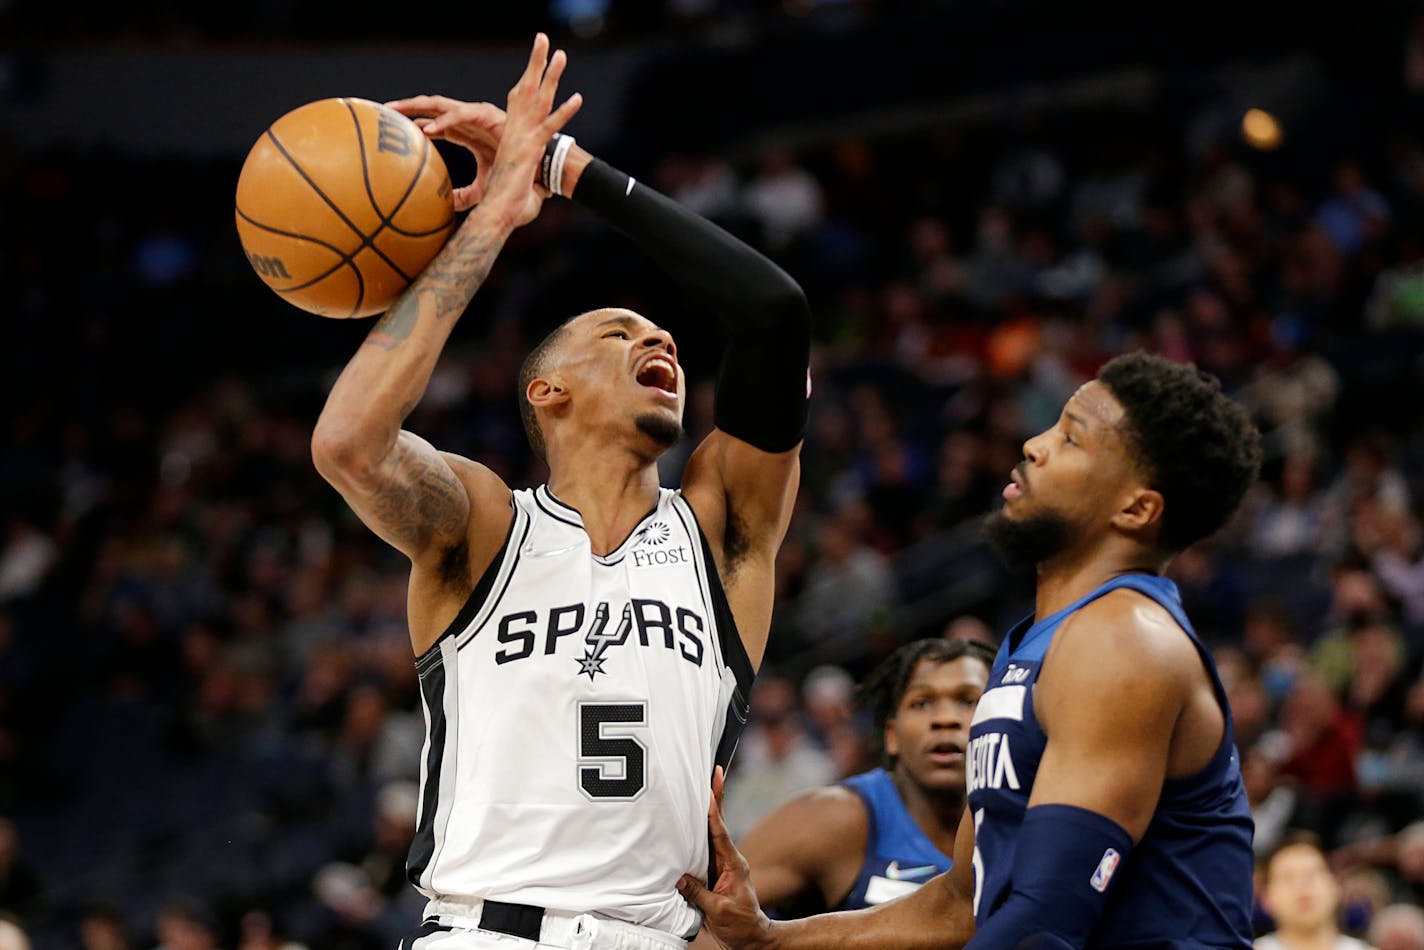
<point>551,170</point>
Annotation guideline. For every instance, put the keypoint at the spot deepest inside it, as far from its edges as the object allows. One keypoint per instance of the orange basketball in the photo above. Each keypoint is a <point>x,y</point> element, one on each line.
<point>341,203</point>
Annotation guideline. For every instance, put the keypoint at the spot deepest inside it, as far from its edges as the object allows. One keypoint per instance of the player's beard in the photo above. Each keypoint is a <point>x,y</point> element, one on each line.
<point>660,428</point>
<point>1026,542</point>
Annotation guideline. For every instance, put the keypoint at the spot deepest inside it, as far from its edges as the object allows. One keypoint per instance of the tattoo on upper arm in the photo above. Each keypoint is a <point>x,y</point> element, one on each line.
<point>423,499</point>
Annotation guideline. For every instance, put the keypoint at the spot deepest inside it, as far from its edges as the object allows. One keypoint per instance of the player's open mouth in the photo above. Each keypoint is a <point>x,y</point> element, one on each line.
<point>1015,487</point>
<point>946,753</point>
<point>658,372</point>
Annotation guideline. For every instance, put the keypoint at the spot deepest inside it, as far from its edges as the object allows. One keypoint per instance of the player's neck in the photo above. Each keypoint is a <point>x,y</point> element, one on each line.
<point>1077,571</point>
<point>612,492</point>
<point>937,813</point>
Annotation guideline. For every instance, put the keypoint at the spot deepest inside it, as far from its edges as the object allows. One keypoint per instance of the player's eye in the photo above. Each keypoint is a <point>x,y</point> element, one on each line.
<point>617,334</point>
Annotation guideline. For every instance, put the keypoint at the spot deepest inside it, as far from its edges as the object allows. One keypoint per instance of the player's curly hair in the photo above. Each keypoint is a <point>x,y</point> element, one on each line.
<point>1194,444</point>
<point>881,691</point>
<point>534,364</point>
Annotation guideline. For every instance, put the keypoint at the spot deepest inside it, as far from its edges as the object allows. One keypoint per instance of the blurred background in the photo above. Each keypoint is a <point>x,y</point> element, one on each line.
<point>209,724</point>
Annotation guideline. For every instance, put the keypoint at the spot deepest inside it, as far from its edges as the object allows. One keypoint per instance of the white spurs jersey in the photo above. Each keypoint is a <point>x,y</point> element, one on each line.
<point>574,712</point>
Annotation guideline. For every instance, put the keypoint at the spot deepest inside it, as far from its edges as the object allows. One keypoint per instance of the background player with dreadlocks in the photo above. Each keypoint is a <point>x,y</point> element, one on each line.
<point>885,832</point>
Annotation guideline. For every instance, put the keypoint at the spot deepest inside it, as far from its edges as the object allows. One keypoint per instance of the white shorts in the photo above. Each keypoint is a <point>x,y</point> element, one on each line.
<point>457,925</point>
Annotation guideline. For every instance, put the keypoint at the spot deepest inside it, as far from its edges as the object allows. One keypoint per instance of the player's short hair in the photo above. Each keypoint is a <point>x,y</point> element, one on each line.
<point>1195,445</point>
<point>882,690</point>
<point>534,366</point>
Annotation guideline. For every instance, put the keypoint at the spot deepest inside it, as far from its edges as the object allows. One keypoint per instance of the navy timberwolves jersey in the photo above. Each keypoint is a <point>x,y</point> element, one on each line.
<point>899,857</point>
<point>1187,883</point>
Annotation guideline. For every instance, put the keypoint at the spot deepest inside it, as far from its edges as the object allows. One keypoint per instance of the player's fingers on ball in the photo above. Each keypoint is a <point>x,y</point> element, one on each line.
<point>485,115</point>
<point>466,197</point>
<point>417,105</point>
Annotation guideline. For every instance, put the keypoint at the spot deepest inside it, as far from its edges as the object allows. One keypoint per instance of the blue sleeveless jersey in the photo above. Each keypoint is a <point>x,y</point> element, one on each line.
<point>899,857</point>
<point>1187,883</point>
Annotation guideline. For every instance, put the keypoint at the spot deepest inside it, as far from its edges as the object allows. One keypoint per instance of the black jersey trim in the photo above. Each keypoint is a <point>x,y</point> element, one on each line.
<point>477,597</point>
<point>426,929</point>
<point>620,551</point>
<point>734,651</point>
<point>432,693</point>
<point>538,500</point>
<point>508,579</point>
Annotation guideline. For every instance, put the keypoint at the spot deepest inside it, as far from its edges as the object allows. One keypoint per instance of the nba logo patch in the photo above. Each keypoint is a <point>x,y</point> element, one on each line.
<point>1103,875</point>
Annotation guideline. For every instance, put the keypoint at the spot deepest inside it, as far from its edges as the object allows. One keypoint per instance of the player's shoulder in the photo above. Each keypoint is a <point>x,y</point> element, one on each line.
<point>490,498</point>
<point>832,813</point>
<point>1125,634</point>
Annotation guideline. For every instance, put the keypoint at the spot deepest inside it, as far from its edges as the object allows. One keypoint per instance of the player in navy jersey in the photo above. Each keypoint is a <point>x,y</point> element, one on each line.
<point>883,833</point>
<point>1106,806</point>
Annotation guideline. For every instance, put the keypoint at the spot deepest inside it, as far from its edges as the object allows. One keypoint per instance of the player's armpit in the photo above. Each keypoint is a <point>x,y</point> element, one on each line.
<point>743,498</point>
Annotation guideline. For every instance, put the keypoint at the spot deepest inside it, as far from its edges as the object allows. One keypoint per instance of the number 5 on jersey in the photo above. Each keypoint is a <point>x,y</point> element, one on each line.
<point>612,765</point>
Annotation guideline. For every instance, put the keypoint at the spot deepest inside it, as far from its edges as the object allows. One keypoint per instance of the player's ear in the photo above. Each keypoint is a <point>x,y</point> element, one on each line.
<point>1141,510</point>
<point>546,393</point>
<point>892,741</point>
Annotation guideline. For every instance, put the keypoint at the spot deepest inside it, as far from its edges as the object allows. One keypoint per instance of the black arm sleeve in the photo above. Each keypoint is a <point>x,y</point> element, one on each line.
<point>762,387</point>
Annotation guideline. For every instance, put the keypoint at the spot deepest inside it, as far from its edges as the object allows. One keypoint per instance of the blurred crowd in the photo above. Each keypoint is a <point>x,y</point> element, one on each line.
<point>209,722</point>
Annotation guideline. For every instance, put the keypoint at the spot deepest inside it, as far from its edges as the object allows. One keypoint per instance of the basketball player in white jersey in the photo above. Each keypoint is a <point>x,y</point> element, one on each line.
<point>585,649</point>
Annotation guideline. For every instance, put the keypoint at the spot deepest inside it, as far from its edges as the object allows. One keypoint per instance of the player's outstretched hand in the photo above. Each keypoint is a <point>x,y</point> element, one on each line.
<point>730,908</point>
<point>508,147</point>
<point>527,129</point>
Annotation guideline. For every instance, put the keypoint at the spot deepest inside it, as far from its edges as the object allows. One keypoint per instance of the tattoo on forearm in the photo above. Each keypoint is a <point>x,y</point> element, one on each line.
<point>396,325</point>
<point>451,280</point>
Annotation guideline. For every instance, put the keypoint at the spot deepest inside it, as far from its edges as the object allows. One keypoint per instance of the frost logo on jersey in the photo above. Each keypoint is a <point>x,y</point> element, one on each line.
<point>598,641</point>
<point>649,550</point>
<point>989,763</point>
<point>653,534</point>
<point>1102,877</point>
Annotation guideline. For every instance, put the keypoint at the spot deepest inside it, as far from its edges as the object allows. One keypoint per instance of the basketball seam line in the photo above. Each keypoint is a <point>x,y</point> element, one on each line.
<point>360,280</point>
<point>371,195</point>
<point>365,241</point>
<point>344,257</point>
<point>388,221</point>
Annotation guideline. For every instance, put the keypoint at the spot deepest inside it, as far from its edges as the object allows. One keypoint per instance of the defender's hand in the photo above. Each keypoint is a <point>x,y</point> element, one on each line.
<point>730,908</point>
<point>475,126</point>
<point>508,147</point>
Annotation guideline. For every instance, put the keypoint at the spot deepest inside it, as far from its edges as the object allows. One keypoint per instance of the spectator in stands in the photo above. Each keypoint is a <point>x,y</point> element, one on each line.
<point>1398,927</point>
<point>776,759</point>
<point>186,924</point>
<point>1302,897</point>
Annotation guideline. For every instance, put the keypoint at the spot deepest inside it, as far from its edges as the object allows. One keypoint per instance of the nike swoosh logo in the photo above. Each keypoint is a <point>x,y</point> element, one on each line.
<point>529,551</point>
<point>896,873</point>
